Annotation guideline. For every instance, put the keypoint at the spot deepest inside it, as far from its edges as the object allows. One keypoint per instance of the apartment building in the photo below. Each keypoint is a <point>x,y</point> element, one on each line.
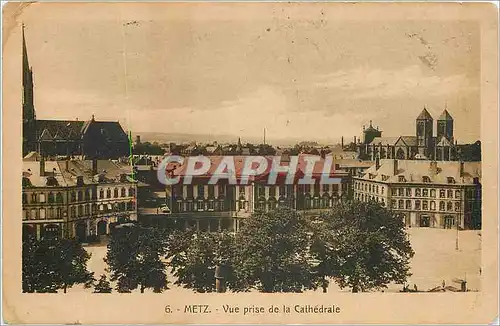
<point>425,193</point>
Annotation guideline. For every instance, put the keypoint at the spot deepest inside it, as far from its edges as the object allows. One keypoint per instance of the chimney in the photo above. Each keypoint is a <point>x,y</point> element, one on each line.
<point>354,139</point>
<point>67,164</point>
<point>396,170</point>
<point>462,169</point>
<point>342,142</point>
<point>377,163</point>
<point>433,168</point>
<point>42,166</point>
<point>94,166</point>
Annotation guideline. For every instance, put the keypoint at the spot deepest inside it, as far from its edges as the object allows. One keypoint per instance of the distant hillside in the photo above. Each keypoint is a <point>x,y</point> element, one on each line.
<point>179,138</point>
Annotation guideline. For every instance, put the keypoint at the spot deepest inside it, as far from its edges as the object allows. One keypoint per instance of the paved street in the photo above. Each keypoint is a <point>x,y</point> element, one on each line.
<point>435,260</point>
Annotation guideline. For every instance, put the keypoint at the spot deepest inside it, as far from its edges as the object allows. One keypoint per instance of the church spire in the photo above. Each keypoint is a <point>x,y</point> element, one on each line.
<point>28,103</point>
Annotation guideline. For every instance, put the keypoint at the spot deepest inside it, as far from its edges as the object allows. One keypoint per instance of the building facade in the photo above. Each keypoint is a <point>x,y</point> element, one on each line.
<point>224,206</point>
<point>425,193</point>
<point>63,198</point>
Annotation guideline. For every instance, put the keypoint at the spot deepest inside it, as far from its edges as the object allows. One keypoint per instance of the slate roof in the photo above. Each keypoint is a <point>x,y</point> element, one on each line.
<point>424,115</point>
<point>445,116</point>
<point>414,171</point>
<point>59,129</point>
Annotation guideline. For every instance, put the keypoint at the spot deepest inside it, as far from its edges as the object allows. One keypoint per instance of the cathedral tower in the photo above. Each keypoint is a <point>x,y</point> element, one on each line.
<point>445,126</point>
<point>424,133</point>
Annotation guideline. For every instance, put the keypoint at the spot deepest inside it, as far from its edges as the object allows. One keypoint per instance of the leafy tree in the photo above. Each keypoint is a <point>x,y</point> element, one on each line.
<point>134,259</point>
<point>195,255</point>
<point>50,265</point>
<point>271,252</point>
<point>362,245</point>
<point>102,285</point>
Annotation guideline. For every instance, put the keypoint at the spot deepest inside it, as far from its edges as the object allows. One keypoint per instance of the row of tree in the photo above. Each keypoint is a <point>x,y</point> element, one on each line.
<point>361,246</point>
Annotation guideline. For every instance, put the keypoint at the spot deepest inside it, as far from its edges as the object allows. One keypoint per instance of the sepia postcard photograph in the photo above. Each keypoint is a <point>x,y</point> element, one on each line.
<point>240,163</point>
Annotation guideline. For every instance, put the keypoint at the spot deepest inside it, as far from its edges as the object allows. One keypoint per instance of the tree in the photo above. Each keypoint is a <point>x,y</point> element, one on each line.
<point>103,285</point>
<point>271,252</point>
<point>195,255</point>
<point>362,245</point>
<point>134,259</point>
<point>49,265</point>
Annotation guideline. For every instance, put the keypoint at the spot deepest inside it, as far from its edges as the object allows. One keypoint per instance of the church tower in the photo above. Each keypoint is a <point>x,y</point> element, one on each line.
<point>29,118</point>
<point>424,124</point>
<point>445,126</point>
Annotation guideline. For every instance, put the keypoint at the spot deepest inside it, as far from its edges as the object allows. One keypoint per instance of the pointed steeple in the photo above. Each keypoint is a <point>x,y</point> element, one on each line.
<point>445,116</point>
<point>28,103</point>
<point>424,115</point>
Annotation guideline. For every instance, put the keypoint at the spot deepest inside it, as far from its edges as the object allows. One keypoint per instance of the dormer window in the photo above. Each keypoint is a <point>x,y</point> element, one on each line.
<point>401,178</point>
<point>385,177</point>
<point>450,179</point>
<point>426,179</point>
<point>51,182</point>
<point>79,181</point>
<point>371,175</point>
<point>476,180</point>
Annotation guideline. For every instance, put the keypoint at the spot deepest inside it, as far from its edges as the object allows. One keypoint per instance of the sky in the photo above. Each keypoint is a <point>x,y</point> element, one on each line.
<point>298,70</point>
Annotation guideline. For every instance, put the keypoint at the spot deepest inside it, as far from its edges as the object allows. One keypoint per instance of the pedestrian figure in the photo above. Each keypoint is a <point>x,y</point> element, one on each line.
<point>415,287</point>
<point>325,285</point>
<point>479,270</point>
<point>443,284</point>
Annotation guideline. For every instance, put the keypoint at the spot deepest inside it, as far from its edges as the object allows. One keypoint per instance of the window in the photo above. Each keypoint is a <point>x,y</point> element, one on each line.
<point>442,193</point>
<point>441,205</point>
<point>33,199</point>
<point>450,179</point>
<point>73,211</point>
<point>426,179</point>
<point>335,188</point>
<point>433,193</point>
<point>408,192</point>
<point>87,210</point>
<point>408,204</point>
<point>42,213</point>
<point>476,180</point>
<point>366,187</point>
<point>42,198</point>
<point>394,191</point>
<point>242,191</point>
<point>123,192</point>
<point>201,205</point>
<point>221,190</point>
<point>450,193</point>
<point>316,189</point>
<point>80,196</point>
<point>272,191</point>
<point>211,191</point>
<point>115,192</point>
<point>417,204</point>
<point>25,198</point>
<point>400,204</point>
<point>449,206</point>
<point>425,192</point>
<point>400,192</point>
<point>50,198</point>
<point>393,203</point>
<point>401,178</point>
<point>370,188</point>
<point>382,190</point>
<point>101,193</point>
<point>433,205</point>
<point>25,215</point>
<point>131,192</point>
<point>282,190</point>
<point>307,188</point>
<point>80,210</point>
<point>425,205</point>
<point>457,194</point>
<point>108,193</point>
<point>33,214</point>
<point>418,192</point>
<point>201,191</point>
<point>326,187</point>
<point>87,194</point>
<point>210,205</point>
<point>376,189</point>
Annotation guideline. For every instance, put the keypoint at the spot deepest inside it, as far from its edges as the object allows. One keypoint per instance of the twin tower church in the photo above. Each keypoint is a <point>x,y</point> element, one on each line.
<point>424,145</point>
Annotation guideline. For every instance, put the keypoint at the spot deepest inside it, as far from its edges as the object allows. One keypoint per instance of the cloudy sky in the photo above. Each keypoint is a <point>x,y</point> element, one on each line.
<point>297,70</point>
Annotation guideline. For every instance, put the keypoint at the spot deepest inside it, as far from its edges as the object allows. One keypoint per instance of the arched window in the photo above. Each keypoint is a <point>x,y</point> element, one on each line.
<point>433,193</point>
<point>131,192</point>
<point>50,198</point>
<point>80,195</point>
<point>123,192</point>
<point>449,206</point>
<point>101,193</point>
<point>108,193</point>
<point>441,205</point>
<point>433,205</point>
<point>87,194</point>
<point>115,193</point>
